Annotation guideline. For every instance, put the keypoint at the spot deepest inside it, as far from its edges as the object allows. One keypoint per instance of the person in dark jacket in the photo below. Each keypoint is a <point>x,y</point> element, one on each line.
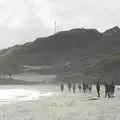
<point>69,86</point>
<point>98,88</point>
<point>90,88</point>
<point>84,87</point>
<point>74,88</point>
<point>106,89</point>
<point>109,91</point>
<point>79,87</point>
<point>62,87</point>
<point>112,88</point>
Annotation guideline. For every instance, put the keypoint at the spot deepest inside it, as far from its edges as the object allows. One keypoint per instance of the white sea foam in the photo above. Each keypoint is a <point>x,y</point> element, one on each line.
<point>19,95</point>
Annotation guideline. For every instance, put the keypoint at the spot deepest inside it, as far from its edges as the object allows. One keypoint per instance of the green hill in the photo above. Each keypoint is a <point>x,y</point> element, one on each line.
<point>90,52</point>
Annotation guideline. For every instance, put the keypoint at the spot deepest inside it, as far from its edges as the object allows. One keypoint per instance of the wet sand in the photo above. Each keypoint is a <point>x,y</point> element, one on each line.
<point>65,106</point>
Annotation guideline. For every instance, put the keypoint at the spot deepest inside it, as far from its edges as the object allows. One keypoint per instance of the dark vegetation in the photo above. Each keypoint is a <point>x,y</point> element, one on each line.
<point>91,53</point>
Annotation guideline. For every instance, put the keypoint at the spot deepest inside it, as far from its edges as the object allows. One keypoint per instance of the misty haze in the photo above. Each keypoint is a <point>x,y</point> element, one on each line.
<point>59,60</point>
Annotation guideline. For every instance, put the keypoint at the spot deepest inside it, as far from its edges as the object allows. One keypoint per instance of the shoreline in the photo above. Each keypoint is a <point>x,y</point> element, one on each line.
<point>67,106</point>
<point>62,106</point>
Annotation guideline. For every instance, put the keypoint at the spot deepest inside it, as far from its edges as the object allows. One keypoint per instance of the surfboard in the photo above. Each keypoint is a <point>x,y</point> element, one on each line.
<point>94,98</point>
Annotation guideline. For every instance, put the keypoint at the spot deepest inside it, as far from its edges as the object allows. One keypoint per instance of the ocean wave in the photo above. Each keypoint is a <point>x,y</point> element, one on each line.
<point>8,96</point>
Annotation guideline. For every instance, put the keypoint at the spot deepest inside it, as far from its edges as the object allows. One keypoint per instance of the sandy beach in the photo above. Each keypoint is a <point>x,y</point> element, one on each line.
<point>64,106</point>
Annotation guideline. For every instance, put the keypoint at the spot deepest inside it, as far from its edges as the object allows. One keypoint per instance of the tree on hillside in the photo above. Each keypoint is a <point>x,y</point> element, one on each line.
<point>8,69</point>
<point>67,66</point>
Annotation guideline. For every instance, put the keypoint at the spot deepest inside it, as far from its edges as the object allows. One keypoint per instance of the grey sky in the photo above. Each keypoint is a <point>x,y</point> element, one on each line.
<point>24,20</point>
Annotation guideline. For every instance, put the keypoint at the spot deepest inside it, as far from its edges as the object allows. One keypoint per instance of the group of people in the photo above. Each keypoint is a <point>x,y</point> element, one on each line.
<point>87,87</point>
<point>84,86</point>
<point>109,88</point>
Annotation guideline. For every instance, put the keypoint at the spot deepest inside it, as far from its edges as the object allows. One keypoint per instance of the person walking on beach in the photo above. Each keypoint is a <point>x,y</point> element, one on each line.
<point>90,88</point>
<point>74,88</point>
<point>109,91</point>
<point>112,88</point>
<point>62,87</point>
<point>87,86</point>
<point>69,86</point>
<point>84,87</point>
<point>106,90</point>
<point>79,87</point>
<point>98,88</point>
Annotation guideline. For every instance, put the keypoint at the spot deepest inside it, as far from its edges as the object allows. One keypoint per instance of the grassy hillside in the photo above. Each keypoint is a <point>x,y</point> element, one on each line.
<point>91,53</point>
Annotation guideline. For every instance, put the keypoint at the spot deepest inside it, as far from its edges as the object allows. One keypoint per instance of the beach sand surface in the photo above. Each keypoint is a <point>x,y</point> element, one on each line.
<point>65,106</point>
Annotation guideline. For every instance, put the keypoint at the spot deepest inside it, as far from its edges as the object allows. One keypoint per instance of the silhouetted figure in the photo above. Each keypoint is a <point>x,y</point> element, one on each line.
<point>109,91</point>
<point>62,87</point>
<point>84,87</point>
<point>112,88</point>
<point>106,89</point>
<point>90,88</point>
<point>102,82</point>
<point>79,87</point>
<point>98,88</point>
<point>87,88</point>
<point>74,88</point>
<point>69,86</point>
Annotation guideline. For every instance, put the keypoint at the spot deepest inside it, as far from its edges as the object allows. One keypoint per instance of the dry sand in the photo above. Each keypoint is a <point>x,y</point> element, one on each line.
<point>65,106</point>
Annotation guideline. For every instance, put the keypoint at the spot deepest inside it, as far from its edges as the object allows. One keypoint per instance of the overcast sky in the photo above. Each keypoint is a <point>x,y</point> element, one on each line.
<point>24,20</point>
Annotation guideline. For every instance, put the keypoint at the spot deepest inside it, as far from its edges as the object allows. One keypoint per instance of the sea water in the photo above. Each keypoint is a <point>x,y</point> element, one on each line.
<point>19,93</point>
